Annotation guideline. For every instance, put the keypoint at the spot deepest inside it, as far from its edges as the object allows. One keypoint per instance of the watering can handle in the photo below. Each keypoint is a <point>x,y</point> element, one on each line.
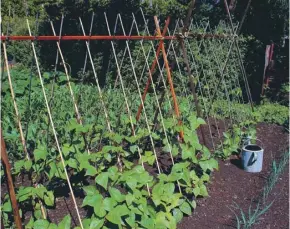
<point>255,156</point>
<point>262,144</point>
<point>258,141</point>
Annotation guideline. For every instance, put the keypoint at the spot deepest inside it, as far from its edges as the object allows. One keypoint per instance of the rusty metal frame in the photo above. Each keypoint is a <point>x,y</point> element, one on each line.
<point>7,169</point>
<point>153,66</point>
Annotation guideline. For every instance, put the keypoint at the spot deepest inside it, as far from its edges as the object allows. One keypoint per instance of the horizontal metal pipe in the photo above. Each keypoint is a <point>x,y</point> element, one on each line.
<point>101,37</point>
<point>106,37</point>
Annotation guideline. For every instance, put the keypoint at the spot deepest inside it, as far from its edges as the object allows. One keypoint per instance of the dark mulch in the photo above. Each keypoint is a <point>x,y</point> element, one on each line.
<point>278,215</point>
<point>232,184</point>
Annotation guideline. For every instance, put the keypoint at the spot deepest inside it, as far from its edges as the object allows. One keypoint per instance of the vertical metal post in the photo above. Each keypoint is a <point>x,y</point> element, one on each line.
<point>7,169</point>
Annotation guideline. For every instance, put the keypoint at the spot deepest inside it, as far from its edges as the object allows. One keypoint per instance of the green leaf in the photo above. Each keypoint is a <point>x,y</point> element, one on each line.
<point>226,135</point>
<point>174,151</point>
<point>205,177</point>
<point>147,222</point>
<point>161,220</point>
<point>195,122</point>
<point>200,121</point>
<point>127,164</point>
<point>92,200</point>
<point>102,179</point>
<point>194,177</point>
<point>115,215</point>
<point>65,223</point>
<point>206,153</point>
<point>49,198</point>
<point>52,226</point>
<point>170,122</point>
<point>169,188</point>
<point>24,193</point>
<point>131,182</point>
<point>40,153</point>
<point>99,211</point>
<point>109,204</point>
<point>131,219</point>
<point>166,148</point>
<point>91,171</point>
<point>96,223</point>
<point>129,199</point>
<point>90,190</point>
<point>203,190</point>
<point>66,149</point>
<point>162,177</point>
<point>117,138</point>
<point>52,170</point>
<point>155,136</point>
<point>107,149</point>
<point>108,157</point>
<point>149,157</point>
<point>210,164</point>
<point>133,148</point>
<point>28,165</point>
<point>116,195</point>
<point>7,207</point>
<point>187,152</point>
<point>196,191</point>
<point>29,225</point>
<point>86,223</point>
<point>177,214</point>
<point>41,224</point>
<point>37,214</point>
<point>193,204</point>
<point>185,207</point>
<point>73,163</point>
<point>113,173</point>
<point>39,191</point>
<point>18,165</point>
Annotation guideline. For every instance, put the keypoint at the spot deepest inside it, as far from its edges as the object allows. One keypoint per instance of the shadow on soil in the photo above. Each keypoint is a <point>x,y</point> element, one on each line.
<point>237,163</point>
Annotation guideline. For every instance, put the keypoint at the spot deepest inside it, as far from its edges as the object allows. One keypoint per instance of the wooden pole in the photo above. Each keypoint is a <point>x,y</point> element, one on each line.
<point>176,108</point>
<point>7,169</point>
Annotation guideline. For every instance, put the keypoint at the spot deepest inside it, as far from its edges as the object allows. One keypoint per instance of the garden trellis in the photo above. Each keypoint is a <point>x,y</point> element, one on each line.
<point>145,106</point>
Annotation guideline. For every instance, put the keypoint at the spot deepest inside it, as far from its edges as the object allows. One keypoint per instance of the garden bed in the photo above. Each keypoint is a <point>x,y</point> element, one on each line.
<point>228,184</point>
<point>231,184</point>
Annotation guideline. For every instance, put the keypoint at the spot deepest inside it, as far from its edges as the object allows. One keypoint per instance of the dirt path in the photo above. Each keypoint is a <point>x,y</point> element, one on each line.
<point>231,184</point>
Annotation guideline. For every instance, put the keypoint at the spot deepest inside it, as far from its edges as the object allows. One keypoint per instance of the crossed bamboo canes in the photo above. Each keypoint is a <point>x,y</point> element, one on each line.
<point>103,103</point>
<point>78,116</point>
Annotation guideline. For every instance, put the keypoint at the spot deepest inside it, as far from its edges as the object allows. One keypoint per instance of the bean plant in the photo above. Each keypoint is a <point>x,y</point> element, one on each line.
<point>114,171</point>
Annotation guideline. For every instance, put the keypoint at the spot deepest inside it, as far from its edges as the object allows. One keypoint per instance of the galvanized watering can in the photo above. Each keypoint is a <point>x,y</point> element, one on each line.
<point>252,157</point>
